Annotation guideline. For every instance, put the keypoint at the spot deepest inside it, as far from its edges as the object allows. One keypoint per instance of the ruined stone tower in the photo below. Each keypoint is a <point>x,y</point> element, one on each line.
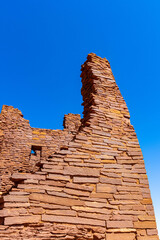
<point>86,182</point>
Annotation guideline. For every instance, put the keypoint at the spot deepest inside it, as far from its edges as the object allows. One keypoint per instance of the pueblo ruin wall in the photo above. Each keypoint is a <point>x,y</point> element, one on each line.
<point>85,182</point>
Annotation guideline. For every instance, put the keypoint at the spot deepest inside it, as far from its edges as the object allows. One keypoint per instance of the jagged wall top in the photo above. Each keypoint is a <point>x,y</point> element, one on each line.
<point>18,140</point>
<point>100,92</point>
<point>91,183</point>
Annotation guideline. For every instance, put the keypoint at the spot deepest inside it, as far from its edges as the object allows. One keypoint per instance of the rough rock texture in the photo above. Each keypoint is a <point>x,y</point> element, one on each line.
<point>23,148</point>
<point>86,182</point>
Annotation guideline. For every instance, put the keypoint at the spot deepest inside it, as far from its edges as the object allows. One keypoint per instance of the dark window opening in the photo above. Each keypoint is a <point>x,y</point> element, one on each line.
<point>36,150</point>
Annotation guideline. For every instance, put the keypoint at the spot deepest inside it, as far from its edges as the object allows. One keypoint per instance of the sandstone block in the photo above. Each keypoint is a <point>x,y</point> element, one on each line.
<point>73,220</point>
<point>105,157</point>
<point>95,204</point>
<point>101,195</point>
<point>145,224</point>
<point>128,189</point>
<point>85,180</point>
<point>120,236</point>
<point>127,196</point>
<point>130,175</point>
<point>52,183</point>
<point>146,218</point>
<point>12,212</point>
<point>22,176</point>
<point>76,192</point>
<point>58,177</point>
<point>79,187</point>
<point>93,215</point>
<point>106,188</point>
<point>22,220</point>
<point>113,166</point>
<point>101,133</point>
<point>61,212</point>
<point>151,232</point>
<point>147,201</point>
<point>52,206</point>
<point>91,210</point>
<point>78,171</point>
<point>135,153</point>
<point>56,200</point>
<point>144,181</point>
<point>119,224</point>
<point>36,210</point>
<point>120,217</point>
<point>148,237</point>
<point>14,198</point>
<point>16,204</point>
<point>110,180</point>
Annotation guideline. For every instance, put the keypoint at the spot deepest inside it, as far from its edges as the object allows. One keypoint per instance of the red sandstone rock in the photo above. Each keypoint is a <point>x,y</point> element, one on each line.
<point>119,224</point>
<point>145,224</point>
<point>79,187</point>
<point>73,220</point>
<point>21,176</point>
<point>106,188</point>
<point>22,219</point>
<point>56,200</point>
<point>77,171</point>
<point>87,181</point>
<point>122,236</point>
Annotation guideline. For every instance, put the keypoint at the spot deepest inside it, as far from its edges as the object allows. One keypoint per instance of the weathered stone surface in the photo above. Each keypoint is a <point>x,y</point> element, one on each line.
<point>58,177</point>
<point>77,192</point>
<point>11,198</point>
<point>73,220</point>
<point>94,216</point>
<point>101,195</point>
<point>78,171</point>
<point>148,237</point>
<point>85,182</point>
<point>151,232</point>
<point>21,176</point>
<point>145,224</point>
<point>92,210</point>
<point>146,218</point>
<point>96,204</point>
<point>16,204</point>
<point>119,224</point>
<point>120,236</point>
<point>12,212</point>
<point>79,187</point>
<point>22,220</point>
<point>106,188</point>
<point>61,212</point>
<point>126,196</point>
<point>110,180</point>
<point>55,200</point>
<point>146,201</point>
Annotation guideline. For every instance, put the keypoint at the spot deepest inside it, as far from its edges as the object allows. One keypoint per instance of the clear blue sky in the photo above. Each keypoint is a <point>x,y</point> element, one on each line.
<point>44,43</point>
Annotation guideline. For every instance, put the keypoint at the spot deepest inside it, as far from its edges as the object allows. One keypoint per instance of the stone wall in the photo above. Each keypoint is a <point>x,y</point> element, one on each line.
<point>92,185</point>
<point>22,148</point>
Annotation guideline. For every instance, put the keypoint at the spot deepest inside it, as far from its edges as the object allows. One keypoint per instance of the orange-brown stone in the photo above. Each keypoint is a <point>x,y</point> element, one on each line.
<point>87,181</point>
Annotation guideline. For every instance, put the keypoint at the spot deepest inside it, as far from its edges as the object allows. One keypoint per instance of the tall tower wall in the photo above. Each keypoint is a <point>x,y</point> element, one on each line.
<point>94,187</point>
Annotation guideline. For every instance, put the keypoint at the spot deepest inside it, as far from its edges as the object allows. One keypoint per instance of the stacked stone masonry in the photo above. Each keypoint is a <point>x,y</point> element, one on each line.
<point>86,182</point>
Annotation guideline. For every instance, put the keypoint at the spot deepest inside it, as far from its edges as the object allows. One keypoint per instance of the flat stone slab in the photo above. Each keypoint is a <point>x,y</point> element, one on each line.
<point>22,220</point>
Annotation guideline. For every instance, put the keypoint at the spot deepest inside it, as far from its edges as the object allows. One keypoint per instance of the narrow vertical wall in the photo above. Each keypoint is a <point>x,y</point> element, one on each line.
<point>15,146</point>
